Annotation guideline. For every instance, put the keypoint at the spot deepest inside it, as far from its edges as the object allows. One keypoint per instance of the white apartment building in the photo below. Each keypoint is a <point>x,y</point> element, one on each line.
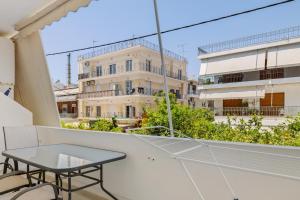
<point>193,94</point>
<point>255,74</point>
<point>121,80</point>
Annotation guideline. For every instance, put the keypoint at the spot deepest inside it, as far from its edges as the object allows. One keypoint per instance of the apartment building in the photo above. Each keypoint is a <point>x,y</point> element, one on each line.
<point>66,100</point>
<point>193,94</point>
<point>255,74</point>
<point>121,80</point>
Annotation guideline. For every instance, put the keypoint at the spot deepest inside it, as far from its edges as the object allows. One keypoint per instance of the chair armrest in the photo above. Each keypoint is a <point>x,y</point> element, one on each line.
<point>41,191</point>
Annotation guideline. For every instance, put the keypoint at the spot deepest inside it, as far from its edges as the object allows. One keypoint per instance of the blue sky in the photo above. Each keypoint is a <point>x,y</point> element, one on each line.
<point>110,20</point>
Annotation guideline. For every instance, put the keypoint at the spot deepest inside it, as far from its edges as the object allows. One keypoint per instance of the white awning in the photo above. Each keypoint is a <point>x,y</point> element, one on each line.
<point>66,98</point>
<point>27,17</point>
<point>232,94</point>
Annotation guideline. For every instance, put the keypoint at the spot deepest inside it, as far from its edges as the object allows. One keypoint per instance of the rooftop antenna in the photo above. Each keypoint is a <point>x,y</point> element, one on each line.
<point>69,70</point>
<point>94,42</point>
<point>182,47</point>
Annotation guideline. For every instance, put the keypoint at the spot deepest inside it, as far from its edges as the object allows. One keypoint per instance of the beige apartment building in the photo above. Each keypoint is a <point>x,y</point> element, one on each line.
<point>121,80</point>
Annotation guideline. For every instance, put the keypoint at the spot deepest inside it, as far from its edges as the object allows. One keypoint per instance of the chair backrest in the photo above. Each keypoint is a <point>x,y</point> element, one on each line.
<point>20,137</point>
<point>2,142</point>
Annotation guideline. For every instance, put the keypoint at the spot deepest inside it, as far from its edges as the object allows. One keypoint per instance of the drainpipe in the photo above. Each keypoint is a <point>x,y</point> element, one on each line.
<point>163,69</point>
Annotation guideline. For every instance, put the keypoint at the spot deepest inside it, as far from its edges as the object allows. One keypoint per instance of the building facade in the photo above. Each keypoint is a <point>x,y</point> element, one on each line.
<point>121,80</point>
<point>193,94</point>
<point>67,103</point>
<point>255,74</point>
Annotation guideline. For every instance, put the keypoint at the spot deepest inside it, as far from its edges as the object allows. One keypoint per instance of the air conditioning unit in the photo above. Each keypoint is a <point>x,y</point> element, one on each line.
<point>87,63</point>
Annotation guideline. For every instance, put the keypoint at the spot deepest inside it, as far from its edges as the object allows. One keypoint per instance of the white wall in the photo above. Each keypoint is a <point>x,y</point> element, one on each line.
<point>12,113</point>
<point>138,177</point>
<point>33,84</point>
<point>7,65</point>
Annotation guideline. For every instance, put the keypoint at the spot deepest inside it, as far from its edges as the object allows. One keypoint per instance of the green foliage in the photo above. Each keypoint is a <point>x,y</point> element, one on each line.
<point>199,123</point>
<point>106,125</point>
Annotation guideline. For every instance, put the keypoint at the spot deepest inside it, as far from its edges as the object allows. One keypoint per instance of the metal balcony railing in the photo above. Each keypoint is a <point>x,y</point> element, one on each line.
<point>125,45</point>
<point>263,38</point>
<point>278,73</point>
<point>141,67</point>
<point>263,110</point>
<point>118,115</point>
<point>110,93</point>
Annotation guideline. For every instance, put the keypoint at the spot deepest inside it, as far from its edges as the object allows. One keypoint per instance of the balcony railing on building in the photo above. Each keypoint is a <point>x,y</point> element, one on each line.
<point>141,67</point>
<point>143,91</point>
<point>267,74</point>
<point>263,110</point>
<point>109,115</point>
<point>263,38</point>
<point>128,44</point>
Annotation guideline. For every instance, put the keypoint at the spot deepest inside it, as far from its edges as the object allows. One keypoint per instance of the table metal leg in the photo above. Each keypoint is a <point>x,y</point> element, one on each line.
<point>5,165</point>
<point>102,186</point>
<point>16,164</point>
<point>28,176</point>
<point>69,186</point>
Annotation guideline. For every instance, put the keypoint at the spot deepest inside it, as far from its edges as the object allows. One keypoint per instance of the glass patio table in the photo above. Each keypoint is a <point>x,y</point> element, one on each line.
<point>66,160</point>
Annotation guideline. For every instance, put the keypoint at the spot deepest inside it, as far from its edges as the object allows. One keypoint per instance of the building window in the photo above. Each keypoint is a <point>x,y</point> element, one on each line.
<point>128,65</point>
<point>271,73</point>
<point>112,69</point>
<point>128,84</point>
<point>180,74</point>
<point>99,70</point>
<point>178,96</point>
<point>98,111</point>
<point>148,65</point>
<point>130,112</point>
<point>87,111</point>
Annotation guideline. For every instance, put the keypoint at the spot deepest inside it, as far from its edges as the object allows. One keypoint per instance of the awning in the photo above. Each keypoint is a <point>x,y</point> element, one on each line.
<point>66,98</point>
<point>232,94</point>
<point>27,17</point>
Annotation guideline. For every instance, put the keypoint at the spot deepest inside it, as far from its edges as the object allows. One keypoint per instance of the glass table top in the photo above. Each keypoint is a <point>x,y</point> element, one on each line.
<point>63,157</point>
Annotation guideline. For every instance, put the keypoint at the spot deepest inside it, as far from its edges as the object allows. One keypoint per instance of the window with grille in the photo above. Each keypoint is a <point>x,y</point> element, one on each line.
<point>271,73</point>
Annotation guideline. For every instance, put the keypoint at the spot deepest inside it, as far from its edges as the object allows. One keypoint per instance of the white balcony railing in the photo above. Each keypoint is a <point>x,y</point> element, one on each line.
<point>141,67</point>
<point>164,168</point>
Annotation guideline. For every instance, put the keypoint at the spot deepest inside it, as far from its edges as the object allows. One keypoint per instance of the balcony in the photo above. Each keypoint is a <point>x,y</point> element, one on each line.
<point>263,38</point>
<point>140,91</point>
<point>252,78</point>
<point>190,168</point>
<point>141,67</point>
<point>129,44</point>
<point>279,111</point>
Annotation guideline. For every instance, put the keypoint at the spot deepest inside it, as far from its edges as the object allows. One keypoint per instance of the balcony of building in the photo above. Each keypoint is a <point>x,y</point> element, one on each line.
<point>251,78</point>
<point>92,93</point>
<point>253,40</point>
<point>129,44</point>
<point>190,168</point>
<point>138,68</point>
<point>271,111</point>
